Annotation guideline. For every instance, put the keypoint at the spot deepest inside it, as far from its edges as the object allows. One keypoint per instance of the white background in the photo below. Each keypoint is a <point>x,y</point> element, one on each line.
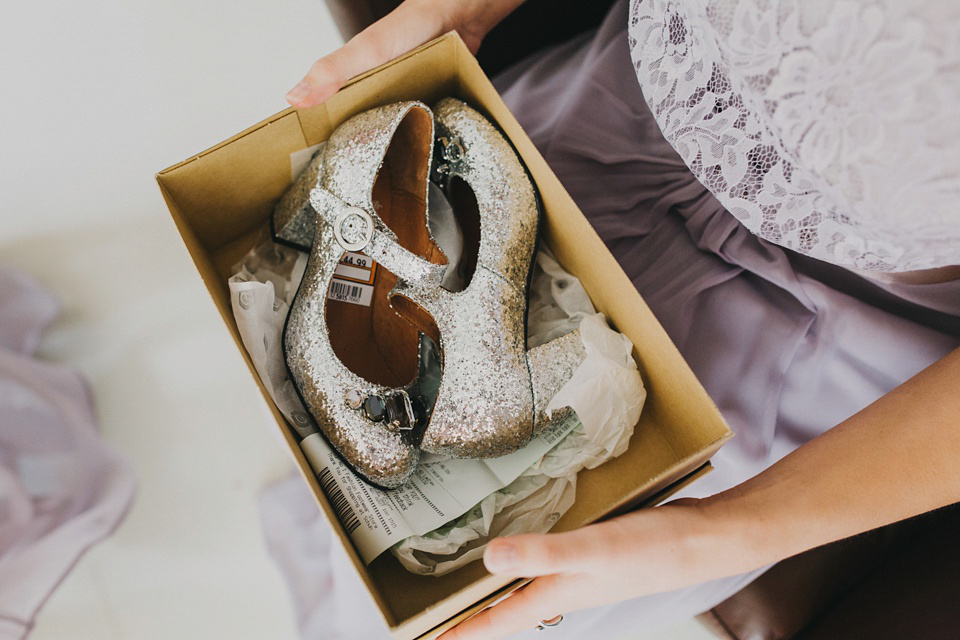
<point>97,96</point>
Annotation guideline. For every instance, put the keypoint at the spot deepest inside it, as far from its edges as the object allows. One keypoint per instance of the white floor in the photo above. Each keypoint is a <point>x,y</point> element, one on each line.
<point>98,97</point>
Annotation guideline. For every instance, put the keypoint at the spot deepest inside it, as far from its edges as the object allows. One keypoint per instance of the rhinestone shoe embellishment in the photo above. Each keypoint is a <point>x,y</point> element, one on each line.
<point>353,399</point>
<point>395,410</point>
<point>448,157</point>
<point>452,149</point>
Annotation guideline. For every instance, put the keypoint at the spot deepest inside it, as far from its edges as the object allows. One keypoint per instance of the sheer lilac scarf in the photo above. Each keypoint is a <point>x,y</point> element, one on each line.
<point>61,488</point>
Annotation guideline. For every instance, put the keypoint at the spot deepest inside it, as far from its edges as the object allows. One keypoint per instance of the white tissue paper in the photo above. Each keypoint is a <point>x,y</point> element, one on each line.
<point>606,388</point>
<point>606,392</point>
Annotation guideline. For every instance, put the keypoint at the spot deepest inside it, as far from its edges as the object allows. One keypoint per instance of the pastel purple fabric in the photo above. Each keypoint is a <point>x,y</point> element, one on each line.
<point>785,345</point>
<point>61,488</point>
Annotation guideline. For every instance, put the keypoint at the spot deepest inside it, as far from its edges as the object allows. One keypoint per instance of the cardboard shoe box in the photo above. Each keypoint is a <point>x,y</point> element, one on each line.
<point>221,201</point>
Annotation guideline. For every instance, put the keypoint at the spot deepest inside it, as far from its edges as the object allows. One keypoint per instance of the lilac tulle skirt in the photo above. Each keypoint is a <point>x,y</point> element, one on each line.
<point>785,345</point>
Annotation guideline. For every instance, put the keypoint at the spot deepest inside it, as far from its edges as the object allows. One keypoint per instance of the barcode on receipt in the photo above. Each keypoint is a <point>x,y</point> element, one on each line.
<point>339,502</point>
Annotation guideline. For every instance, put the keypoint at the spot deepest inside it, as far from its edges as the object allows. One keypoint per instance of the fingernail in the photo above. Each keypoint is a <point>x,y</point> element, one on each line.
<point>299,92</point>
<point>500,557</point>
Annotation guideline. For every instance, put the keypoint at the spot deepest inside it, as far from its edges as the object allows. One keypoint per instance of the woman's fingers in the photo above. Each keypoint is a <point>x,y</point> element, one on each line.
<point>529,555</point>
<point>564,562</point>
<point>408,26</point>
<point>534,555</point>
<point>542,599</point>
<point>637,553</point>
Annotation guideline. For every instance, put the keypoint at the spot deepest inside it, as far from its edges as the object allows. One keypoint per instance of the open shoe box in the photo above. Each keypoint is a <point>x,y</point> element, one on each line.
<point>221,201</point>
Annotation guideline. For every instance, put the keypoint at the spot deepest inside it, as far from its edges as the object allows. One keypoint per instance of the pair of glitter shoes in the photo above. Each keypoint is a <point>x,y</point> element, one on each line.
<point>363,370</point>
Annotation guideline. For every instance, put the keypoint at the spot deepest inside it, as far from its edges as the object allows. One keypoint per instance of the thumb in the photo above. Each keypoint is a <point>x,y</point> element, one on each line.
<point>532,555</point>
<point>408,26</point>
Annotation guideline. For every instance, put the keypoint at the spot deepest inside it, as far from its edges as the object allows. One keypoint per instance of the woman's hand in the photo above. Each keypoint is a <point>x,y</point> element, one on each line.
<point>645,552</point>
<point>408,26</point>
<point>892,460</point>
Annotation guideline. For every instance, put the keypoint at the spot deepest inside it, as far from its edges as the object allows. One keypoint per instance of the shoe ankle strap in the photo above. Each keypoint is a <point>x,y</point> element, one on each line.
<point>357,229</point>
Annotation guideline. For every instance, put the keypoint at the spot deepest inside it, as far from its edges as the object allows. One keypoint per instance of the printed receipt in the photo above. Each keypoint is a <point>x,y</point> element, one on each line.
<point>437,493</point>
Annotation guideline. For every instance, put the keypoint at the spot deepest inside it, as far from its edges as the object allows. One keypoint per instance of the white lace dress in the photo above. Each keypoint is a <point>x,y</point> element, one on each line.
<point>829,127</point>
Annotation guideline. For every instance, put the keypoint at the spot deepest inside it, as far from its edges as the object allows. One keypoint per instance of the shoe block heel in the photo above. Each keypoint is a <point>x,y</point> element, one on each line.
<point>294,221</point>
<point>551,365</point>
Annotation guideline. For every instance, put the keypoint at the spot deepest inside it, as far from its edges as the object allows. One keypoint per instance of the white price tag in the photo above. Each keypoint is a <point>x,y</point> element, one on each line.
<point>353,279</point>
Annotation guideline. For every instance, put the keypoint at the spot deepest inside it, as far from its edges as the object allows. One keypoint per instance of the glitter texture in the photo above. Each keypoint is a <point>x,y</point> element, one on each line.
<point>486,403</point>
<point>551,366</point>
<point>492,391</point>
<point>345,173</point>
<point>294,221</point>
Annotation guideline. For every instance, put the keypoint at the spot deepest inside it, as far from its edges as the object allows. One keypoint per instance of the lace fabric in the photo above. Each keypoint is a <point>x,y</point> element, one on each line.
<point>825,126</point>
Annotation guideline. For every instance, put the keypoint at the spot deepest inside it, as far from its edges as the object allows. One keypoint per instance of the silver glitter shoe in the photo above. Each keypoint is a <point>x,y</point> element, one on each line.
<point>362,371</point>
<point>493,392</point>
<point>359,368</point>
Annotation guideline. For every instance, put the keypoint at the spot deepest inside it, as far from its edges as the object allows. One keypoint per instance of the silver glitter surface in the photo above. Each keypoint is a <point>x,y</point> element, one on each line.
<point>486,403</point>
<point>551,366</point>
<point>505,195</point>
<point>355,152</point>
<point>345,177</point>
<point>492,392</point>
<point>294,221</point>
<point>384,457</point>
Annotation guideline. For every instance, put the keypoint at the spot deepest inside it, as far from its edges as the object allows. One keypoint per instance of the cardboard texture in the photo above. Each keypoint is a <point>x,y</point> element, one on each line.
<point>221,200</point>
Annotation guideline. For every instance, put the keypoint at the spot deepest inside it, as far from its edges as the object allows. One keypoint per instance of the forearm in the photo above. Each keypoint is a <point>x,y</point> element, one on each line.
<point>895,459</point>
